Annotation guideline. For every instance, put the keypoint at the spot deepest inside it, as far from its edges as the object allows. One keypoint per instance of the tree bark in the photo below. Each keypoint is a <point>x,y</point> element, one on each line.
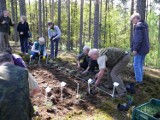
<point>89,25</point>
<point>96,24</point>
<point>105,24</point>
<point>59,14</point>
<point>22,5</point>
<point>14,18</point>
<point>100,23</point>
<point>40,18</point>
<point>131,25</point>
<point>2,6</point>
<point>44,21</point>
<point>52,13</point>
<point>69,34</point>
<point>141,8</point>
<point>81,27</point>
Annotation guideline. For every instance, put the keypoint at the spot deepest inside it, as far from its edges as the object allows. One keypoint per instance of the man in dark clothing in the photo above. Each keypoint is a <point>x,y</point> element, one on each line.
<point>88,64</point>
<point>116,60</point>
<point>15,103</point>
<point>140,45</point>
<point>23,29</point>
<point>5,23</point>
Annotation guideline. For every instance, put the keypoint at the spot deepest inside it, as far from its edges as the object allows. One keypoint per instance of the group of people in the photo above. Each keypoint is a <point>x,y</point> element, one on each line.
<point>39,46</point>
<point>115,60</point>
<point>17,84</point>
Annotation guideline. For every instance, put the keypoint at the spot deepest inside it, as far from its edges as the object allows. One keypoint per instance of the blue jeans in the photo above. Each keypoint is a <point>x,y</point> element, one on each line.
<point>24,44</point>
<point>138,67</point>
<point>54,47</point>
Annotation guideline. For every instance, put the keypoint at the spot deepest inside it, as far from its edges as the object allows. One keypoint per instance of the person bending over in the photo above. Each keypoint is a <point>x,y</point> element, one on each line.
<point>88,64</point>
<point>116,60</point>
<point>38,49</point>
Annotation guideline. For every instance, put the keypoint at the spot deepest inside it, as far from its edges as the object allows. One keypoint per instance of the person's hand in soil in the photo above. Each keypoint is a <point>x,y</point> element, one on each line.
<point>99,76</point>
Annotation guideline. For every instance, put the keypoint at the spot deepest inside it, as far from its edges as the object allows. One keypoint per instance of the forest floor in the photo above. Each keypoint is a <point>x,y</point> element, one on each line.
<point>85,107</point>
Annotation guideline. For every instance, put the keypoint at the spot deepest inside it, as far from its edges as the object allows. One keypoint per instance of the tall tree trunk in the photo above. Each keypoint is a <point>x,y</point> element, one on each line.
<point>22,5</point>
<point>36,24</point>
<point>14,18</point>
<point>89,25</point>
<point>131,25</point>
<point>69,32</point>
<point>141,8</point>
<point>52,13</point>
<point>109,25</point>
<point>59,13</point>
<point>2,6</point>
<point>158,60</point>
<point>100,23</point>
<point>81,27</point>
<point>44,21</point>
<point>146,9</point>
<point>96,24</point>
<point>105,24</point>
<point>40,18</point>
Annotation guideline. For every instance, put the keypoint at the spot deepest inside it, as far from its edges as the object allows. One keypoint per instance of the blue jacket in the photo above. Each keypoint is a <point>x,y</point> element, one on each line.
<point>140,41</point>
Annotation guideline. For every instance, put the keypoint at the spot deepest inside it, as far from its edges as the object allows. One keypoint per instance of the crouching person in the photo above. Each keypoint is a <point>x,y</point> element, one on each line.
<point>88,64</point>
<point>38,48</point>
<point>116,60</point>
<point>15,103</point>
<point>18,61</point>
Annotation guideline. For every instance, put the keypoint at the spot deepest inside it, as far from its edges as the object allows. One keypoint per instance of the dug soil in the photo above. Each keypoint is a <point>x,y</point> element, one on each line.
<point>51,105</point>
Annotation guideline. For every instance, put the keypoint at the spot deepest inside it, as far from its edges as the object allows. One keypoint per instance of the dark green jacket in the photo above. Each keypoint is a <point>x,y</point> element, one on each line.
<point>5,28</point>
<point>114,55</point>
<point>15,103</point>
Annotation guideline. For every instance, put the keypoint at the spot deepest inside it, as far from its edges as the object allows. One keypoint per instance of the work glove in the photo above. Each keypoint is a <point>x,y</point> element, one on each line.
<point>44,58</point>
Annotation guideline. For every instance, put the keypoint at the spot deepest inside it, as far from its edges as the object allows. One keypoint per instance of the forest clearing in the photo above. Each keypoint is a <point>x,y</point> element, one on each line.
<point>80,59</point>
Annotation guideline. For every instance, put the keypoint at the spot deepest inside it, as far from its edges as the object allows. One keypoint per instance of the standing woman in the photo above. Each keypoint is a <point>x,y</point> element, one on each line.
<point>54,34</point>
<point>23,29</point>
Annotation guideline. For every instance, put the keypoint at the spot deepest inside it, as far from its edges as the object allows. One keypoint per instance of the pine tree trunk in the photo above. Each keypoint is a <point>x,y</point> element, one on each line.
<point>131,25</point>
<point>100,23</point>
<point>158,60</point>
<point>40,18</point>
<point>2,6</point>
<point>96,24</point>
<point>81,27</point>
<point>22,5</point>
<point>89,25</point>
<point>59,13</point>
<point>52,13</point>
<point>14,18</point>
<point>44,21</point>
<point>105,24</point>
<point>141,8</point>
<point>69,34</point>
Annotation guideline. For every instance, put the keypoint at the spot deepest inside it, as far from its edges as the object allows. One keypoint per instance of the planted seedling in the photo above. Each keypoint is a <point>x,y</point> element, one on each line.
<point>115,84</point>
<point>48,103</point>
<point>90,81</point>
<point>62,84</point>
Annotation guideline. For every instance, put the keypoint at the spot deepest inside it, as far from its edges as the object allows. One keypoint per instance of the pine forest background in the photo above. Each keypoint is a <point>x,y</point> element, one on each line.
<point>96,23</point>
